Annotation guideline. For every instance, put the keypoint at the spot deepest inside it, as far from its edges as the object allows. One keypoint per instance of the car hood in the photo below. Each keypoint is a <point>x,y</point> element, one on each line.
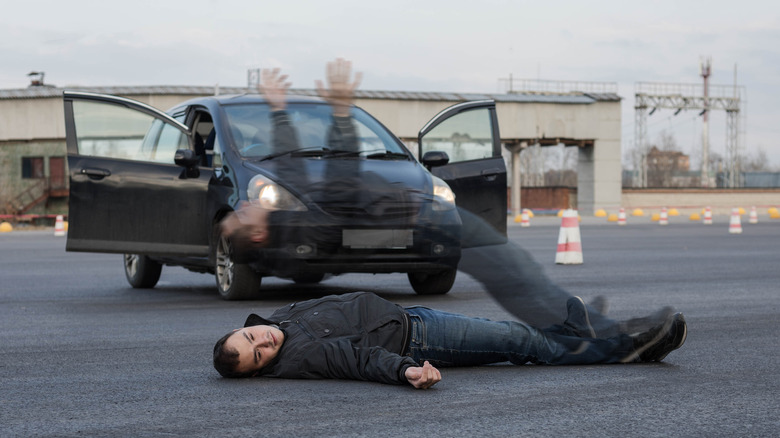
<point>353,186</point>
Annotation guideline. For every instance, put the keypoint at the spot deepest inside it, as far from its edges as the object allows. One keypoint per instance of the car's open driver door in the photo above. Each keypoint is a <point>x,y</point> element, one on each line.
<point>126,193</point>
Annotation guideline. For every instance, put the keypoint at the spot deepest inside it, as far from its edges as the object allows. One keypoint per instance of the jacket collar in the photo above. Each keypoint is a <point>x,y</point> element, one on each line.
<point>254,319</point>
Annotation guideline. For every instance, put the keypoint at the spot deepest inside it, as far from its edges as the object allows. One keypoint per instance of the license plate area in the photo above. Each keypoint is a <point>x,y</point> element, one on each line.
<point>377,239</point>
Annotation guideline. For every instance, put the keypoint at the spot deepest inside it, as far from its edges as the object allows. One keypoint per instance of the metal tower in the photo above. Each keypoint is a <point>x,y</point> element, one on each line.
<point>705,69</point>
<point>704,98</point>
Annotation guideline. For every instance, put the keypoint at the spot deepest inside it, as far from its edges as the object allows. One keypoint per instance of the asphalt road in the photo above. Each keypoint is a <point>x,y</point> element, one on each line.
<point>83,354</point>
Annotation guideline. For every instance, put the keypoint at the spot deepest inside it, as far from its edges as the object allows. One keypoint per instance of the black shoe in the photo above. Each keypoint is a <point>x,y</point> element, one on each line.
<point>654,344</point>
<point>578,319</point>
<point>637,326</point>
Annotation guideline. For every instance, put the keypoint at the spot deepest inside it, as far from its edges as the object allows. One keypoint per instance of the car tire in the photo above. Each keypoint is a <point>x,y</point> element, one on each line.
<point>308,278</point>
<point>235,281</point>
<point>438,283</point>
<point>141,271</point>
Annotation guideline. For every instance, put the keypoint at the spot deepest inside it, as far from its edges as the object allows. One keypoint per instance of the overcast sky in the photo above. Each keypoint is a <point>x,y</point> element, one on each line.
<point>459,46</point>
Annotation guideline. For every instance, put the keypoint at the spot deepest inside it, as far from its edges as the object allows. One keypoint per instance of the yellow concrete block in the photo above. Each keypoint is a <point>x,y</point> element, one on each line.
<point>741,211</point>
<point>600,213</point>
<point>695,217</point>
<point>612,218</point>
<point>774,215</point>
<point>673,212</point>
<point>5,227</point>
<point>637,212</point>
<point>518,218</point>
<point>65,225</point>
<point>560,213</point>
<point>655,217</point>
<point>773,210</point>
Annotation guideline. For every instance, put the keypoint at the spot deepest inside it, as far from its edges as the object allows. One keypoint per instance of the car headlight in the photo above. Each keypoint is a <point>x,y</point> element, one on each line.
<point>271,195</point>
<point>443,197</point>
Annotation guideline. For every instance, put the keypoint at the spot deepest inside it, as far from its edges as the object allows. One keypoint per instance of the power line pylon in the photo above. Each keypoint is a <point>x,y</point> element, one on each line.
<point>704,98</point>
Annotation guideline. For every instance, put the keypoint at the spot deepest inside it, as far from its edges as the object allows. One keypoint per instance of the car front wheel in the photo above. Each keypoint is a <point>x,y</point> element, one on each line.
<point>438,283</point>
<point>235,281</point>
<point>141,271</point>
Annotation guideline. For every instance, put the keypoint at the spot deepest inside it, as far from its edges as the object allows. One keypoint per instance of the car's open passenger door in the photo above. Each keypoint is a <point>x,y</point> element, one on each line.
<point>468,133</point>
<point>126,193</point>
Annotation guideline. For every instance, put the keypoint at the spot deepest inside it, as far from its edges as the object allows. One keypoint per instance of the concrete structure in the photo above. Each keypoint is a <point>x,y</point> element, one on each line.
<point>31,125</point>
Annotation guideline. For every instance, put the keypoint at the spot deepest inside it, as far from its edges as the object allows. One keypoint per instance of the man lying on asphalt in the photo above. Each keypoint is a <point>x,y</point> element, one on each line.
<point>364,337</point>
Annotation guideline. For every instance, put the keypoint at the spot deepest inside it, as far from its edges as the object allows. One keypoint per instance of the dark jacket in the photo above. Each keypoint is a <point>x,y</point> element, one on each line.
<point>352,336</point>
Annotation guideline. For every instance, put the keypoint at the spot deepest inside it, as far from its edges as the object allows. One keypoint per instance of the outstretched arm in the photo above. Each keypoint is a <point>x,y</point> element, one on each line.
<point>274,87</point>
<point>340,94</point>
<point>343,360</point>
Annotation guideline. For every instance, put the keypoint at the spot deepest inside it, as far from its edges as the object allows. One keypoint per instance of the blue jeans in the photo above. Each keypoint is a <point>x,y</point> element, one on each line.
<point>515,280</point>
<point>449,340</point>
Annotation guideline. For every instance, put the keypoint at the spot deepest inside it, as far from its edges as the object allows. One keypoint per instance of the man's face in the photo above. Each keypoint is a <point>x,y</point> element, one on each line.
<point>247,226</point>
<point>256,345</point>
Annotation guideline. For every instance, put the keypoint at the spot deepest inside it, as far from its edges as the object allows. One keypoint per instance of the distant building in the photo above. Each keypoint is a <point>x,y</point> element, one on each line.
<point>668,169</point>
<point>676,160</point>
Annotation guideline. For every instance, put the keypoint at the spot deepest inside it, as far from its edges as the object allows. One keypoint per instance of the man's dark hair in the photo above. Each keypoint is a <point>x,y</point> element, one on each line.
<point>226,360</point>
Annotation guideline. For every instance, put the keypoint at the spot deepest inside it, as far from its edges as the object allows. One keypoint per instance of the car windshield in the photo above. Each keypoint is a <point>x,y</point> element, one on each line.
<point>251,128</point>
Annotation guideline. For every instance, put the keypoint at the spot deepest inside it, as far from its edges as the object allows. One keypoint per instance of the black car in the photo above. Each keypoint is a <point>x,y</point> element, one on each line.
<point>155,186</point>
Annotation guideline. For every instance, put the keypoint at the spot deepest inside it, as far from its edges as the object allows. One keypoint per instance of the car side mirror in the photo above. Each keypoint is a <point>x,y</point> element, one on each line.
<point>434,159</point>
<point>186,158</point>
<point>189,160</point>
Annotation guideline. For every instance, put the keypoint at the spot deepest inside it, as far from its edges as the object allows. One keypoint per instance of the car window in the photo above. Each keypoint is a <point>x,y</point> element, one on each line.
<point>216,161</point>
<point>115,131</point>
<point>205,139</point>
<point>251,129</point>
<point>110,130</point>
<point>465,136</point>
<point>167,143</point>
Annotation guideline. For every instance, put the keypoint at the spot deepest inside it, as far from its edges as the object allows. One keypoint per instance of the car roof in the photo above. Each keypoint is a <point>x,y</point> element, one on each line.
<point>236,99</point>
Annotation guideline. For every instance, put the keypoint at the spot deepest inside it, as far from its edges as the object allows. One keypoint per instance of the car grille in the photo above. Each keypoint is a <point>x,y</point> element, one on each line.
<point>386,211</point>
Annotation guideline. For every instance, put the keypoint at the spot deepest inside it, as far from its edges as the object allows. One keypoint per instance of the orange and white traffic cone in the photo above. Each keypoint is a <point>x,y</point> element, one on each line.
<point>735,224</point>
<point>525,220</point>
<point>622,216</point>
<point>59,226</point>
<point>707,216</point>
<point>753,215</point>
<point>664,220</point>
<point>569,244</point>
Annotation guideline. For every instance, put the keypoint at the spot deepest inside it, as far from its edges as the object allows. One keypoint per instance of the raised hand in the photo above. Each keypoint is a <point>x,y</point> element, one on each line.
<point>274,86</point>
<point>341,89</point>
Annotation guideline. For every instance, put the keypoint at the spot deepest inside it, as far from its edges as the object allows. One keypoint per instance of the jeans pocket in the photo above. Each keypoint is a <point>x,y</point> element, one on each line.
<point>418,332</point>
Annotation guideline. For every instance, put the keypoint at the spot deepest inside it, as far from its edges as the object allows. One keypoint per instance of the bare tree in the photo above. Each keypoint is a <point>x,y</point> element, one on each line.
<point>666,163</point>
<point>561,165</point>
<point>757,162</point>
<point>5,183</point>
<point>667,141</point>
<point>548,166</point>
<point>532,166</point>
